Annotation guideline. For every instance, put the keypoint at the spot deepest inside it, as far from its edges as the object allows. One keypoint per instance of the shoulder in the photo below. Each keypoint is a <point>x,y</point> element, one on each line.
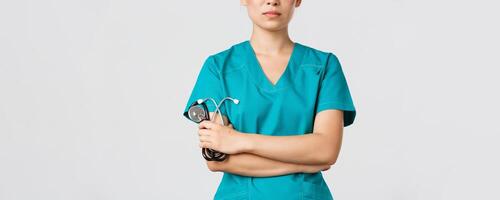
<point>318,57</point>
<point>227,59</point>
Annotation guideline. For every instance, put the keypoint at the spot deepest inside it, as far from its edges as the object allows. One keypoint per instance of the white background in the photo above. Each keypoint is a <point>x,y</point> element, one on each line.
<point>91,96</point>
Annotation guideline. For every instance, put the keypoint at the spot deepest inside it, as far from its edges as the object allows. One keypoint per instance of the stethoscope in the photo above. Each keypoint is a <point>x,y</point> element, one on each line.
<point>198,112</point>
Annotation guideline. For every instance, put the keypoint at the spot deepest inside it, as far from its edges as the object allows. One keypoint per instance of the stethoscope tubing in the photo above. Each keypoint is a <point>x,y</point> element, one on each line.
<point>210,154</point>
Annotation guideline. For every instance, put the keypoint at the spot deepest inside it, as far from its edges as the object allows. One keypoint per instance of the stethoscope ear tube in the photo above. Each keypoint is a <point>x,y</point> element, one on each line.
<point>212,155</point>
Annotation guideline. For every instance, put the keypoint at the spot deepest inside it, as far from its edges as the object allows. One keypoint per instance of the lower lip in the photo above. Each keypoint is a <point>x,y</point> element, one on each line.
<point>271,15</point>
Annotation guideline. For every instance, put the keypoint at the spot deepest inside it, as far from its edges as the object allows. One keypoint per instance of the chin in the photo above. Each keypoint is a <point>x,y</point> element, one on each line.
<point>272,26</point>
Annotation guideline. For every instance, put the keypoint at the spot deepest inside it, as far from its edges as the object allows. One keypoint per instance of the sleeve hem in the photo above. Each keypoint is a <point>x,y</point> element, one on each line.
<point>349,110</point>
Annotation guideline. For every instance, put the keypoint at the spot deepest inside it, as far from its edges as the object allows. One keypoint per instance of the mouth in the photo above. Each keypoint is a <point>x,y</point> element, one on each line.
<point>271,13</point>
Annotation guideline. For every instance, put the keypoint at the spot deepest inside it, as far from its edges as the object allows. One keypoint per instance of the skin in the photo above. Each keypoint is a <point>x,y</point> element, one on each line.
<point>247,164</point>
<point>253,154</point>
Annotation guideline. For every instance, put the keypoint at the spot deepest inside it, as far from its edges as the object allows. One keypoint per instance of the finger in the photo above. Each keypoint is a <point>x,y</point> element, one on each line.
<point>203,132</point>
<point>202,124</point>
<point>204,138</point>
<point>204,145</point>
<point>206,125</point>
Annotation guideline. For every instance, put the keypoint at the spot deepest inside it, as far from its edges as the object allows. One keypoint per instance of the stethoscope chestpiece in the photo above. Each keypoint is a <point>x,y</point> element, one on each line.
<point>197,112</point>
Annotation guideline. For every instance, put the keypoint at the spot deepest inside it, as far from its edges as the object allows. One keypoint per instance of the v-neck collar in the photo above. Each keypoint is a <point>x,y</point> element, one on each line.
<point>260,78</point>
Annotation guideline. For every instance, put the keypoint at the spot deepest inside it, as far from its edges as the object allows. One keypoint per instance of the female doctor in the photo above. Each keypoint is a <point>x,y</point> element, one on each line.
<point>287,126</point>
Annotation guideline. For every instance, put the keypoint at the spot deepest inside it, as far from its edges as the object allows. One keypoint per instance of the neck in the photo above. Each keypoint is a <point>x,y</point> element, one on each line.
<point>270,42</point>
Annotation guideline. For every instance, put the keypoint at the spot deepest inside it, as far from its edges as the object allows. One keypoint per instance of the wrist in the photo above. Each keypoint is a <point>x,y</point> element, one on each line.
<point>246,142</point>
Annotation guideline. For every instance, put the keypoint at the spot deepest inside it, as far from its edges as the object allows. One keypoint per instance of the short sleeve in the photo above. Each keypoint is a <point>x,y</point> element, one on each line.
<point>207,85</point>
<point>334,92</point>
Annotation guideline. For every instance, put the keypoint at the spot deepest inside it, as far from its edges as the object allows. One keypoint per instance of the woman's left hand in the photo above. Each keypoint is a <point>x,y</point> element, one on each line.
<point>220,138</point>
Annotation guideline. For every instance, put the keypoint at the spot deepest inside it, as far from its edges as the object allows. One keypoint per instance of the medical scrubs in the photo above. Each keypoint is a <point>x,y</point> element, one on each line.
<point>313,81</point>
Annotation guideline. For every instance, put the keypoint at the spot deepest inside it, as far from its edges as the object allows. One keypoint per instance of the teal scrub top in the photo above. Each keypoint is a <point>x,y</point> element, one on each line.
<point>313,81</point>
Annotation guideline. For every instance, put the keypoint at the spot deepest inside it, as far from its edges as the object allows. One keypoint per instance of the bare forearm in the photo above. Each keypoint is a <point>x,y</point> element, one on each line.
<point>308,149</point>
<point>247,164</point>
<point>285,155</point>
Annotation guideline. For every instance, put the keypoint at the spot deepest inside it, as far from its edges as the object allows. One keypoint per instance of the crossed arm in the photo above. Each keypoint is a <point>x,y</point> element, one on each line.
<point>279,155</point>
